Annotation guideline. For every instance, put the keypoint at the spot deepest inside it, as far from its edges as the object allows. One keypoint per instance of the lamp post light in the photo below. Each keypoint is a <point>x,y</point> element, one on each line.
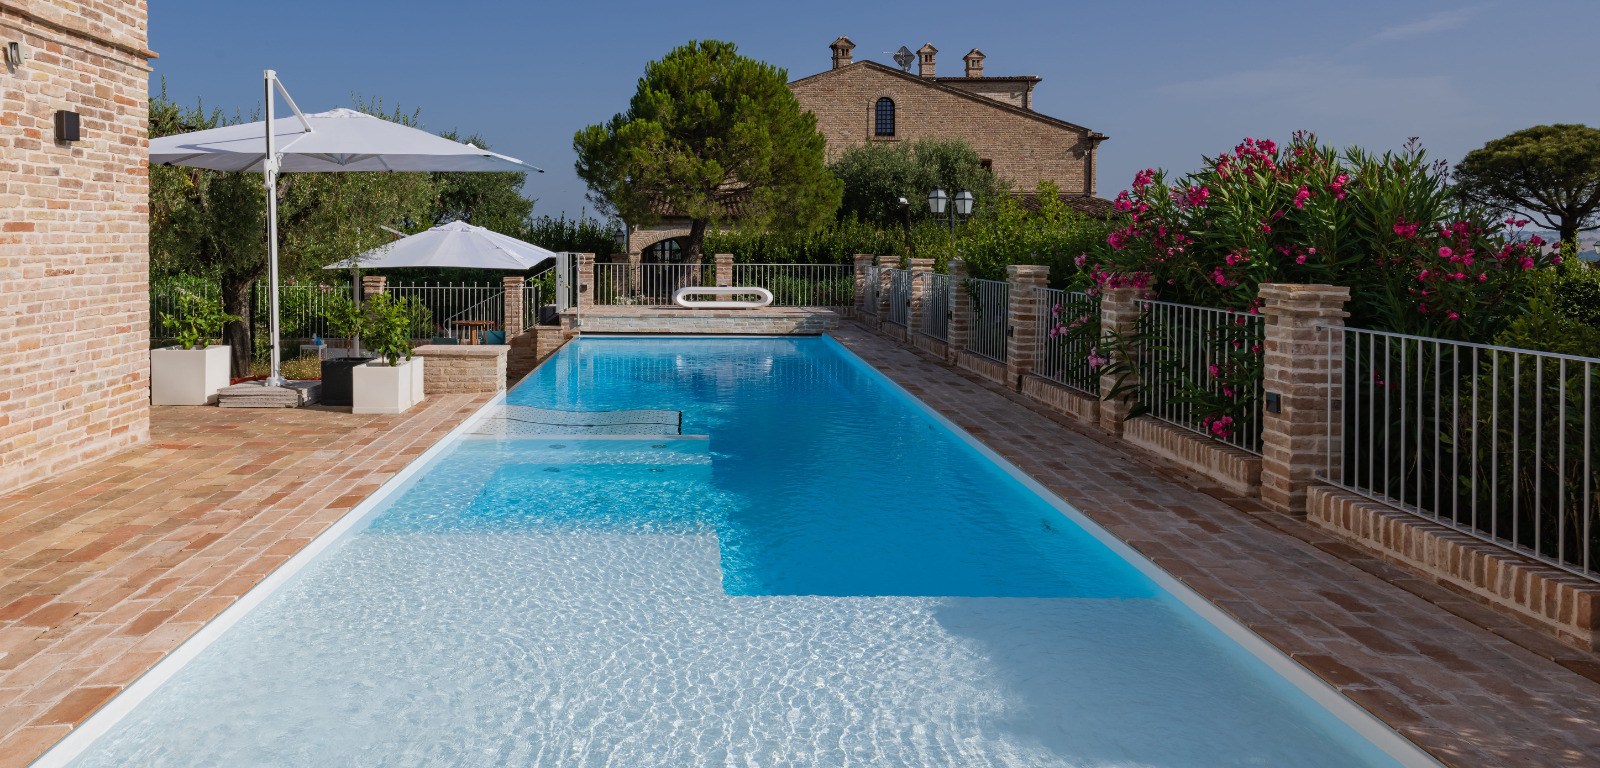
<point>938,202</point>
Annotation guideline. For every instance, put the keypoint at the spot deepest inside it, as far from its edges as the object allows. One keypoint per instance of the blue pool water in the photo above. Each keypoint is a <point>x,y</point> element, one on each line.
<point>816,573</point>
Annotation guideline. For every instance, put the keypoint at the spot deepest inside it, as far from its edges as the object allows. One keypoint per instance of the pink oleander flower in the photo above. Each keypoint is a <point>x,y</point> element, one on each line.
<point>1095,359</point>
<point>1144,178</point>
<point>1444,253</point>
<point>1256,348</point>
<point>1302,196</point>
<point>1214,370</point>
<point>1301,259</point>
<point>1337,187</point>
<point>1081,260</point>
<point>1454,316</point>
<point>1527,262</point>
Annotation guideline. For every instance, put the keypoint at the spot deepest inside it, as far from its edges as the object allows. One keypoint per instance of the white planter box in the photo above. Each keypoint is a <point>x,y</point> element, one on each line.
<point>377,387</point>
<point>188,376</point>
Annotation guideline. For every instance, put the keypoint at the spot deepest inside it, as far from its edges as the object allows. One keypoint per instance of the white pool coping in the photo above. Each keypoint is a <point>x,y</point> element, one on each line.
<point>103,720</point>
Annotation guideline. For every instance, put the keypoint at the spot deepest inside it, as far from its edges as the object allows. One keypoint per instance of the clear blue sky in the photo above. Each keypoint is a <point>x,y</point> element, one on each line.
<point>1167,81</point>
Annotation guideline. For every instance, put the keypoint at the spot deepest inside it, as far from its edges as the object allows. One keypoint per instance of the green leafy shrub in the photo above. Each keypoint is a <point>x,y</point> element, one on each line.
<point>198,320</point>
<point>382,323</point>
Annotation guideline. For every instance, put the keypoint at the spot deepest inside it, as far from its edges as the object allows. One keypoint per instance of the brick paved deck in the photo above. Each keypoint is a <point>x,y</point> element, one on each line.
<point>1472,686</point>
<point>107,568</point>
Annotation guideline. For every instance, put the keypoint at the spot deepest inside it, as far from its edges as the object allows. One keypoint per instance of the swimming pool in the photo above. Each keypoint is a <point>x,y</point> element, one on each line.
<point>816,571</point>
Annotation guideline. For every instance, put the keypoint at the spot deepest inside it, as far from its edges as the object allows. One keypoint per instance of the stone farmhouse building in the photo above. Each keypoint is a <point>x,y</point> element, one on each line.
<point>861,102</point>
<point>74,247</point>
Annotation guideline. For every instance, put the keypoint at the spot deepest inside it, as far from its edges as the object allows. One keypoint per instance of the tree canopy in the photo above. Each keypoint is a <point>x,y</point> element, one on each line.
<point>1551,172</point>
<point>876,175</point>
<point>491,200</point>
<point>710,135</point>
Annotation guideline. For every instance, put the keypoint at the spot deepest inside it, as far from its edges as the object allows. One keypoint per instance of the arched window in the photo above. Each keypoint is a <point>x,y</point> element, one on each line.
<point>664,252</point>
<point>884,124</point>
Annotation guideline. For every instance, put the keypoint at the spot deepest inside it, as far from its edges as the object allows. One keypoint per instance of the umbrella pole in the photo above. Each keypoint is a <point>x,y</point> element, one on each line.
<point>269,169</point>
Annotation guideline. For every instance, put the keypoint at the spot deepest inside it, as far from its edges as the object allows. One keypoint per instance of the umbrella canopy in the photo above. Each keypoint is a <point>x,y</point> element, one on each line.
<point>457,244</point>
<point>336,140</point>
<point>339,140</point>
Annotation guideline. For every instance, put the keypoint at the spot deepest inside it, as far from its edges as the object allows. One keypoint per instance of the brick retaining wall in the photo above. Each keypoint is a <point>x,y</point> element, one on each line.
<point>1548,597</point>
<point>1237,470</point>
<point>463,369</point>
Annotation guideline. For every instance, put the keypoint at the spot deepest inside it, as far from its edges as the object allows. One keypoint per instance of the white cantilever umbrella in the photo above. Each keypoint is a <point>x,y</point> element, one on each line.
<point>457,244</point>
<point>338,141</point>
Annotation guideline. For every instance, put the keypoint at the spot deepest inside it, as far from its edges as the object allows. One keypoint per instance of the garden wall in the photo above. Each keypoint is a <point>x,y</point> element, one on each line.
<point>74,249</point>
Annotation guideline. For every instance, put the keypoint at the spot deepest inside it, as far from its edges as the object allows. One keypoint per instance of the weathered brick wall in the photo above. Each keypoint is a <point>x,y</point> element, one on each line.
<point>1024,146</point>
<point>74,247</point>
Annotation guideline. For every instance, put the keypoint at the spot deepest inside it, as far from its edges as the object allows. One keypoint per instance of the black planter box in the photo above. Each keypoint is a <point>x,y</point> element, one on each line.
<point>336,389</point>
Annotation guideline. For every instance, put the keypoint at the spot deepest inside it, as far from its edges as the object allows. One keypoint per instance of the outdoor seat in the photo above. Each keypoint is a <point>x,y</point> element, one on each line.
<point>494,337</point>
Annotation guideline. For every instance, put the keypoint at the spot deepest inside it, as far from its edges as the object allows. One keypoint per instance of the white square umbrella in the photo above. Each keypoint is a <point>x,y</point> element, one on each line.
<point>336,141</point>
<point>457,244</point>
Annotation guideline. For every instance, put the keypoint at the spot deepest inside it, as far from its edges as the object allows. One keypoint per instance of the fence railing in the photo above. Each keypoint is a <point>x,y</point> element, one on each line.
<point>1064,357</point>
<point>936,307</point>
<point>1495,442</point>
<point>800,285</point>
<point>991,300</point>
<point>449,304</point>
<point>872,290</point>
<point>1202,370</point>
<point>622,284</point>
<point>899,296</point>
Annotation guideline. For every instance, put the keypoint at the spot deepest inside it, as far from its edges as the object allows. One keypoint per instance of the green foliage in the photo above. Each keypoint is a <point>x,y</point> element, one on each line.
<point>384,324</point>
<point>877,175</point>
<point>490,200</point>
<point>198,319</point>
<point>836,242</point>
<point>708,129</point>
<point>1550,171</point>
<point>584,234</point>
<point>1005,233</point>
<point>1563,311</point>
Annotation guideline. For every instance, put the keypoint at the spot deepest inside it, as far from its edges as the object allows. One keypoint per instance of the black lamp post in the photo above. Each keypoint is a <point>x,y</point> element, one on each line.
<point>938,202</point>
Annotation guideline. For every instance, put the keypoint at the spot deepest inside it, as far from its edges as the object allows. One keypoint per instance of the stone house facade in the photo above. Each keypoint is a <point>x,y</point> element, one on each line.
<point>860,102</point>
<point>74,247</point>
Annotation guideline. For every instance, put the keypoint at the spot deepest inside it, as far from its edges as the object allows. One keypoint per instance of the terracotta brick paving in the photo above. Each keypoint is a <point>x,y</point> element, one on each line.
<point>106,569</point>
<point>110,566</point>
<point>1470,685</point>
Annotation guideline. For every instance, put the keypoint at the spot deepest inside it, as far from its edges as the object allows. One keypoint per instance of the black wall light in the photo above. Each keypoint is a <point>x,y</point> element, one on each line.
<point>66,125</point>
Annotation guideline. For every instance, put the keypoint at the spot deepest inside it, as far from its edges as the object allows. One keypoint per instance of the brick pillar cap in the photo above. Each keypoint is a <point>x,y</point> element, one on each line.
<point>1027,272</point>
<point>1304,292</point>
<point>888,261</point>
<point>722,256</point>
<point>863,258</point>
<point>508,280</point>
<point>920,264</point>
<point>958,266</point>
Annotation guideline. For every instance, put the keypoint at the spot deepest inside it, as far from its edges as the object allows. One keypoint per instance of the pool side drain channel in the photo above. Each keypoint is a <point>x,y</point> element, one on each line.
<point>528,421</point>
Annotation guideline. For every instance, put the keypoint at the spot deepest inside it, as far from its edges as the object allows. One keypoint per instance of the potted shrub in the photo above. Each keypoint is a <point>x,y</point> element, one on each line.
<point>192,372</point>
<point>391,382</point>
<point>346,319</point>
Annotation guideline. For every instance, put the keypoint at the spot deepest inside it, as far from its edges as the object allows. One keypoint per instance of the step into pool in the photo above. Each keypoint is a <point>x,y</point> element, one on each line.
<point>809,568</point>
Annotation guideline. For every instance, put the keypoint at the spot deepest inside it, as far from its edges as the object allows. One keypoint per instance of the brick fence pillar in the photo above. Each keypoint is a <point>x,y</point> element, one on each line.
<point>862,261</point>
<point>888,263</point>
<point>372,285</point>
<point>585,278</point>
<point>514,310</point>
<point>1119,314</point>
<point>722,265</point>
<point>1022,317</point>
<point>1307,382</point>
<point>920,271</point>
<point>960,328</point>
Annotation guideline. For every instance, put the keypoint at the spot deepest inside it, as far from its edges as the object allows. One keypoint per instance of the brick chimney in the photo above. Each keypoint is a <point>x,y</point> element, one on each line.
<point>974,60</point>
<point>925,60</point>
<point>841,51</point>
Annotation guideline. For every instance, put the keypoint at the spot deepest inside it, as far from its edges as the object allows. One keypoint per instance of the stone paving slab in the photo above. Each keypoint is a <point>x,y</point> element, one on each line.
<point>1472,686</point>
<point>106,568</point>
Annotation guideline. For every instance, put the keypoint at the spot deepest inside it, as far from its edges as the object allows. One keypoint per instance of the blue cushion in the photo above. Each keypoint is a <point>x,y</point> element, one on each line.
<point>494,337</point>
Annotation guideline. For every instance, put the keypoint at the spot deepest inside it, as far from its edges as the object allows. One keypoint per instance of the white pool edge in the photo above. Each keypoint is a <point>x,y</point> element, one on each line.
<point>1363,722</point>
